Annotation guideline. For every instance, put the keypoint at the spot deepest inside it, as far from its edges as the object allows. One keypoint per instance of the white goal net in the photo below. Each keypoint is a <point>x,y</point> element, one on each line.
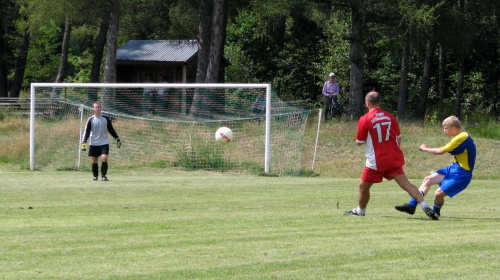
<point>164,126</point>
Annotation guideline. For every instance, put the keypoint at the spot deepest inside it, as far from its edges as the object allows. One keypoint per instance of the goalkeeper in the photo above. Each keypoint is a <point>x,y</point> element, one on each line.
<point>97,129</point>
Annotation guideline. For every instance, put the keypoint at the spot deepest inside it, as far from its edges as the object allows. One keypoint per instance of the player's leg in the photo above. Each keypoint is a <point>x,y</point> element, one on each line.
<point>95,167</point>
<point>364,194</point>
<point>95,153</point>
<point>416,195</point>
<point>363,199</point>
<point>428,181</point>
<point>433,179</point>
<point>408,187</point>
<point>439,201</point>
<point>104,165</point>
<point>452,184</point>
<point>368,178</point>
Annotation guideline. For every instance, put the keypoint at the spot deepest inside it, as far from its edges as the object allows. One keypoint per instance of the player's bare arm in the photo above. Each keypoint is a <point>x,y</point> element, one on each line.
<point>435,151</point>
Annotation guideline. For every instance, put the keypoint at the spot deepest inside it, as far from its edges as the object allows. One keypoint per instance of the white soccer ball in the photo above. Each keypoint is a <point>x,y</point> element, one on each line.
<point>224,135</point>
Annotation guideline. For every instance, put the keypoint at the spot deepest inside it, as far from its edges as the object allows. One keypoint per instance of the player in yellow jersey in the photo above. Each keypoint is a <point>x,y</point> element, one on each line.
<point>454,178</point>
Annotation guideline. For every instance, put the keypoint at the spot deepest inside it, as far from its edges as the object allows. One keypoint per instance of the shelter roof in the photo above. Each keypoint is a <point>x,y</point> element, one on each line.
<point>176,51</point>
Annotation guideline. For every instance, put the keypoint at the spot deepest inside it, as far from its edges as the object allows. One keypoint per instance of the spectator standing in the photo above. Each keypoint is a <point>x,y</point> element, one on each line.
<point>330,92</point>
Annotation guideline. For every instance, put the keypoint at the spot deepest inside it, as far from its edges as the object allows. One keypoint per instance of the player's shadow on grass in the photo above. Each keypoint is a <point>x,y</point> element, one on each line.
<point>470,218</point>
<point>446,218</point>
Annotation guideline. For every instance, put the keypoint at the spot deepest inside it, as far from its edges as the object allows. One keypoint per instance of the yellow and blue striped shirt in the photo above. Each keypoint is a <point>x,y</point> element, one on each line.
<point>463,149</point>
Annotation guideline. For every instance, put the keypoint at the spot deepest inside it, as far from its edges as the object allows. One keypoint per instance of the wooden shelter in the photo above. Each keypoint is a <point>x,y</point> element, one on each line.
<point>175,60</point>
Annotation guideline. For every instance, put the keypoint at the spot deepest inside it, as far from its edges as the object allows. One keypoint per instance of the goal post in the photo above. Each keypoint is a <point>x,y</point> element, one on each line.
<point>169,125</point>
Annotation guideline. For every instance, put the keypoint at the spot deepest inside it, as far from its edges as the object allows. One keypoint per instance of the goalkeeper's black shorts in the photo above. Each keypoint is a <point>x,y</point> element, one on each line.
<point>96,151</point>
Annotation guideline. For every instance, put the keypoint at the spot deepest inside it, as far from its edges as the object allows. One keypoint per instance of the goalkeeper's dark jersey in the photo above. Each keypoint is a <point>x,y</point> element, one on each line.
<point>97,129</point>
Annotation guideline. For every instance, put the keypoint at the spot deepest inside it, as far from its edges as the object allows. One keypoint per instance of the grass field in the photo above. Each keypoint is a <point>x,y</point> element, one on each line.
<point>194,225</point>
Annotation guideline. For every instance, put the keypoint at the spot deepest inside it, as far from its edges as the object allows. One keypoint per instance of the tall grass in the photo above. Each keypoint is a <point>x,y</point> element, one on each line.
<point>14,139</point>
<point>484,127</point>
<point>337,155</point>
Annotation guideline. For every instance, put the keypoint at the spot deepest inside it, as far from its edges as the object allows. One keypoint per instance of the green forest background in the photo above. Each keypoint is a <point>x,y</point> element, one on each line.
<point>429,59</point>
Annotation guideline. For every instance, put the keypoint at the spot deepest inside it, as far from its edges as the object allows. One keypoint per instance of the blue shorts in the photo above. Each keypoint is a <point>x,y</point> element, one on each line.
<point>455,180</point>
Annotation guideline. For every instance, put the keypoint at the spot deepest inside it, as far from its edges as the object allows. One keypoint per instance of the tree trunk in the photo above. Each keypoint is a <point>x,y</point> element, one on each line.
<point>204,43</point>
<point>99,49</point>
<point>403,82</point>
<point>442,79</point>
<point>64,52</point>
<point>356,96</point>
<point>493,81</point>
<point>458,97</point>
<point>4,90</point>
<point>461,68</point>
<point>110,64</point>
<point>426,81</point>
<point>216,42</point>
<point>20,65</point>
<point>204,36</point>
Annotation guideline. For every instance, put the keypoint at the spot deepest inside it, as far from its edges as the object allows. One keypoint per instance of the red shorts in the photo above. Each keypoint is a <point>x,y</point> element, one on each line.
<point>376,176</point>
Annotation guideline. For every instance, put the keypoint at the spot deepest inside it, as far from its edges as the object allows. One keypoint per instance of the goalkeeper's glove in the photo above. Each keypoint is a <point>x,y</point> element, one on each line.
<point>118,143</point>
<point>84,146</point>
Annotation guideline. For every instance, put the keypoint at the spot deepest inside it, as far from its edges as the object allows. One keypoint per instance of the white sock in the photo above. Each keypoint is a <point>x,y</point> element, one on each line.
<point>360,211</point>
<point>424,205</point>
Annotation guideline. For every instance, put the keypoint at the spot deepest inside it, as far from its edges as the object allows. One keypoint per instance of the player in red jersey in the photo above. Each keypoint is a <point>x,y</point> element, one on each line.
<point>380,133</point>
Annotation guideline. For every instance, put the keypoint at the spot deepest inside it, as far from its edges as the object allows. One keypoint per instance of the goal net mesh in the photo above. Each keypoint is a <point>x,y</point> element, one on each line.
<point>169,127</point>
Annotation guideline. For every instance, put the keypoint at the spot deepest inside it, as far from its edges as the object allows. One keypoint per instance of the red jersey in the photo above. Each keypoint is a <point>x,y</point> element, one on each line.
<point>379,131</point>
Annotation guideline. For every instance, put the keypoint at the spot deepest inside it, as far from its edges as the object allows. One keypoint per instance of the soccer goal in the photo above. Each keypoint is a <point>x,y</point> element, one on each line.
<point>165,126</point>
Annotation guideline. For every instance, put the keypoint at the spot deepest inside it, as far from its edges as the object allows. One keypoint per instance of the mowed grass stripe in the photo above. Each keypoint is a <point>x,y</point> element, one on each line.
<point>210,226</point>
